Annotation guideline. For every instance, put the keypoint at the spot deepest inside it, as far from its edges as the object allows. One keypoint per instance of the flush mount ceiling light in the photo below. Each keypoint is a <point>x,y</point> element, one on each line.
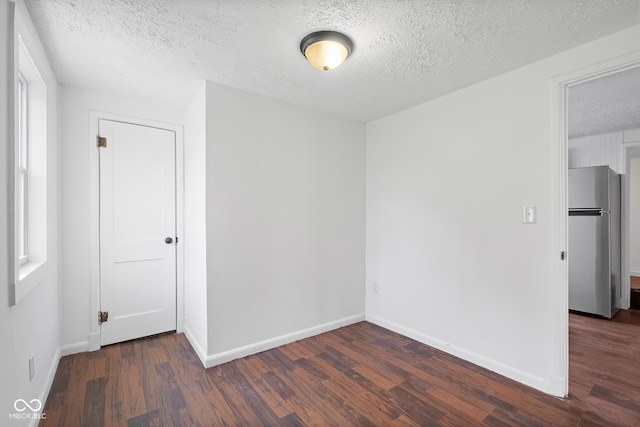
<point>326,50</point>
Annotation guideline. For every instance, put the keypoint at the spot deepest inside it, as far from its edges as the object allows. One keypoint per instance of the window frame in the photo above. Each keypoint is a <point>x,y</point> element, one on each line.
<point>29,185</point>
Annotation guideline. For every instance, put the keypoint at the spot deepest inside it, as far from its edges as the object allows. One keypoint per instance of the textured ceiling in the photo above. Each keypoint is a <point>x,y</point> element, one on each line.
<point>607,104</point>
<point>406,52</point>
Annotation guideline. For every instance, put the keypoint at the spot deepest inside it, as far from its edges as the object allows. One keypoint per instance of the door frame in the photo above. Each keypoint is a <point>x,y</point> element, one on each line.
<point>560,168</point>
<point>94,248</point>
<point>625,159</point>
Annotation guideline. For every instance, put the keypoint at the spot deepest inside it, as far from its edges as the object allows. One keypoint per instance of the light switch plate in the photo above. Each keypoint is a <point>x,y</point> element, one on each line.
<point>528,214</point>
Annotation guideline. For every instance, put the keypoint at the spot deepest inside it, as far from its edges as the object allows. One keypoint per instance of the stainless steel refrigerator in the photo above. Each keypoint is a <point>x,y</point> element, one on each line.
<point>594,241</point>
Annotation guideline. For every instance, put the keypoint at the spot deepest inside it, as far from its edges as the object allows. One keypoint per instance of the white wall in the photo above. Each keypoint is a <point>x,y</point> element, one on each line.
<point>195,230</point>
<point>7,363</point>
<point>634,217</point>
<point>446,182</point>
<point>597,150</point>
<point>601,150</point>
<point>79,198</point>
<point>31,326</point>
<point>285,222</point>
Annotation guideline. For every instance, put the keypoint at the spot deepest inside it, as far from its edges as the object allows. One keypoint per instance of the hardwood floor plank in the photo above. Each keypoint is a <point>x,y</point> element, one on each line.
<point>114,403</point>
<point>174,404</point>
<point>376,409</point>
<point>420,349</point>
<point>416,409</point>
<point>349,409</point>
<point>501,417</point>
<point>74,397</point>
<point>256,377</point>
<point>494,421</point>
<point>291,420</point>
<point>315,374</point>
<point>450,414</point>
<point>312,344</point>
<point>350,385</point>
<point>131,378</point>
<point>93,412</point>
<point>53,417</point>
<point>193,384</point>
<point>275,359</point>
<point>476,410</point>
<point>58,389</point>
<point>629,401</point>
<point>306,408</point>
<point>96,366</point>
<point>590,419</point>
<point>279,386</point>
<point>127,349</point>
<point>139,421</point>
<point>149,381</point>
<point>245,400</point>
<point>223,414</point>
<point>309,403</point>
<point>403,420</point>
<point>295,351</point>
<point>369,360</point>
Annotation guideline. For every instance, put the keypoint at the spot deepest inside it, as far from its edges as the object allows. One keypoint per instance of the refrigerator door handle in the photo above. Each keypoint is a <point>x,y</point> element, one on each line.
<point>587,212</point>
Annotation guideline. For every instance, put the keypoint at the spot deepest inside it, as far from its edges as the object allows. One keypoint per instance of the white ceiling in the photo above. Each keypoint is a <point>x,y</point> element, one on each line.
<point>607,104</point>
<point>406,51</point>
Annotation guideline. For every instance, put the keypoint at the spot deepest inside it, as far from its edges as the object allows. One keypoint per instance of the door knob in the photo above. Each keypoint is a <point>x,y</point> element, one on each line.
<point>168,240</point>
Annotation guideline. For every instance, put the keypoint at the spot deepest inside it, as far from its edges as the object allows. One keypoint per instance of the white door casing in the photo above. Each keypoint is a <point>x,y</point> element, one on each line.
<point>137,214</point>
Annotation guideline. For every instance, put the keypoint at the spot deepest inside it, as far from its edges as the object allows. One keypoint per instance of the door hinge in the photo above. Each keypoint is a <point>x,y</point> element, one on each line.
<point>102,142</point>
<point>103,316</point>
<point>562,255</point>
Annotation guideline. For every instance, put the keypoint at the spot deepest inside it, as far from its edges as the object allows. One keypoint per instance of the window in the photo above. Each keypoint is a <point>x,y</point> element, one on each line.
<point>29,176</point>
<point>23,171</point>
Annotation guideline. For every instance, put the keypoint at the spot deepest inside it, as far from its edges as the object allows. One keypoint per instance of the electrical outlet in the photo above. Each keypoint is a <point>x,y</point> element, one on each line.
<point>32,367</point>
<point>528,214</point>
<point>375,287</point>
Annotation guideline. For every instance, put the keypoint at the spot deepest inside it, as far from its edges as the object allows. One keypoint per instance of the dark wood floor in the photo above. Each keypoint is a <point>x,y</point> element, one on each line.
<point>360,375</point>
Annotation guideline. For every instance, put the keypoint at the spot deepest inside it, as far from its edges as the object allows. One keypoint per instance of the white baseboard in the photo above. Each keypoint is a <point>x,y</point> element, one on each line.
<point>557,387</point>
<point>48,382</point>
<point>202,354</point>
<point>179,325</point>
<point>493,365</point>
<point>76,347</point>
<point>635,273</point>
<point>227,356</point>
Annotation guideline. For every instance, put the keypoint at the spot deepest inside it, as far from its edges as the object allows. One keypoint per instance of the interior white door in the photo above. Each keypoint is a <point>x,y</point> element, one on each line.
<point>137,231</point>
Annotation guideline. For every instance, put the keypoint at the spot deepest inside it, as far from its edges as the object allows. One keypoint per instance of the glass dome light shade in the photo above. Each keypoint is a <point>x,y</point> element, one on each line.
<point>326,50</point>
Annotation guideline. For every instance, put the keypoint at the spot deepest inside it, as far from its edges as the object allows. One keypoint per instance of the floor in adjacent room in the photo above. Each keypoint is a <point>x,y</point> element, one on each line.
<point>634,299</point>
<point>358,375</point>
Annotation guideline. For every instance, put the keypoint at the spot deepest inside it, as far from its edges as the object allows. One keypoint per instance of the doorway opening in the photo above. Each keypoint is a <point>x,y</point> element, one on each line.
<point>603,130</point>
<point>560,142</point>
